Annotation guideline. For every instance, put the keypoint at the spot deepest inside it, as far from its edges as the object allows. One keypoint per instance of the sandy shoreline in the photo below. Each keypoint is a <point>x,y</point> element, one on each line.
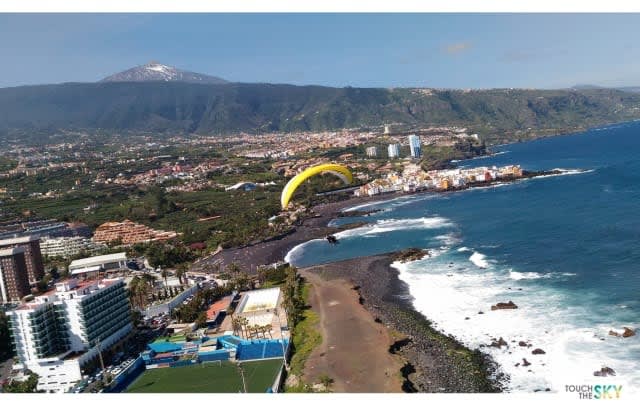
<point>432,362</point>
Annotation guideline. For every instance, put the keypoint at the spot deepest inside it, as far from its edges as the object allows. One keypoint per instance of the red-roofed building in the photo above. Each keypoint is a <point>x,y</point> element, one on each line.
<point>219,307</point>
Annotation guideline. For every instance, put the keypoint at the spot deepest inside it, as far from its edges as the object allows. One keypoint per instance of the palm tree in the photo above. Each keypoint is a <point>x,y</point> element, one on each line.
<point>180,271</point>
<point>235,323</point>
<point>267,329</point>
<point>133,290</point>
<point>164,273</point>
<point>245,324</point>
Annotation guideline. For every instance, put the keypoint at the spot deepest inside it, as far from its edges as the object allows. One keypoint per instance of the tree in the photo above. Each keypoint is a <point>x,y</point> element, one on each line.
<point>136,318</point>
<point>54,273</point>
<point>133,291</point>
<point>181,270</point>
<point>6,349</point>
<point>237,326</point>
<point>234,268</point>
<point>201,321</point>
<point>28,386</point>
<point>326,380</point>
<point>164,273</point>
<point>43,284</point>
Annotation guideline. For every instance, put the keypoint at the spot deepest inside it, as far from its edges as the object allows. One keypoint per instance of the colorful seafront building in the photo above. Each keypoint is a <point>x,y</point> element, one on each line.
<point>414,179</point>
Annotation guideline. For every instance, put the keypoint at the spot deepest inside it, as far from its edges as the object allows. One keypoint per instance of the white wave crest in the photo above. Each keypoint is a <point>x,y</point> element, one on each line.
<point>515,275</point>
<point>390,225</point>
<point>479,260</point>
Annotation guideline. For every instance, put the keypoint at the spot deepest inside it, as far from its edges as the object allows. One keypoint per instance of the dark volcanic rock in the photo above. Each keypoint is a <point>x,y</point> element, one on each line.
<point>502,306</point>
<point>605,371</point>
<point>522,344</point>
<point>628,332</point>
<point>525,363</point>
<point>499,343</point>
<point>409,255</point>
<point>537,351</point>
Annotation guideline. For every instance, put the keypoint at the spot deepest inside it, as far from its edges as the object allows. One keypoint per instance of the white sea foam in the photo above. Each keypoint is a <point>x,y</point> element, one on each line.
<point>463,249</point>
<point>565,172</point>
<point>573,348</point>
<point>390,225</point>
<point>528,275</point>
<point>298,251</point>
<point>488,156</point>
<point>448,239</point>
<point>479,260</point>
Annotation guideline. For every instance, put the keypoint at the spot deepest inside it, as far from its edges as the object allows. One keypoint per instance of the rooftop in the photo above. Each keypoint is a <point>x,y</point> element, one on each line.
<point>11,251</point>
<point>68,285</point>
<point>218,307</point>
<point>18,240</point>
<point>92,261</point>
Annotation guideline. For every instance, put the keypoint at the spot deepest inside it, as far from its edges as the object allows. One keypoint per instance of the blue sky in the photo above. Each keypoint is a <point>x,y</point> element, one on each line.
<point>363,50</point>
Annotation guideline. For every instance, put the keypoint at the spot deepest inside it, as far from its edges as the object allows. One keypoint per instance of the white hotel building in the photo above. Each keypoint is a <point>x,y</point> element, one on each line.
<point>59,332</point>
<point>66,247</point>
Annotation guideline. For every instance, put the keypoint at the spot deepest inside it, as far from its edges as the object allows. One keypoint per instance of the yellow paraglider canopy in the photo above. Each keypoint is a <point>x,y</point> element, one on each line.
<point>341,171</point>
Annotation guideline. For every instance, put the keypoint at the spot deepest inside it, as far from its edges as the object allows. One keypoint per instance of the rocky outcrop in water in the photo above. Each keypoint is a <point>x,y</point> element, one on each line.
<point>538,351</point>
<point>503,306</point>
<point>499,343</point>
<point>628,332</point>
<point>410,254</point>
<point>605,371</point>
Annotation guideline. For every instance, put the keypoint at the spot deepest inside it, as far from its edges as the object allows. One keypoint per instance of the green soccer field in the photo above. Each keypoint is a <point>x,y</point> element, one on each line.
<point>212,377</point>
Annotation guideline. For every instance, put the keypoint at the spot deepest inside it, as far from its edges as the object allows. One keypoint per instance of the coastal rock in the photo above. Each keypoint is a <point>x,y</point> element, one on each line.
<point>605,371</point>
<point>628,332</point>
<point>503,306</point>
<point>480,312</point>
<point>522,344</point>
<point>537,351</point>
<point>525,363</point>
<point>499,343</point>
<point>409,255</point>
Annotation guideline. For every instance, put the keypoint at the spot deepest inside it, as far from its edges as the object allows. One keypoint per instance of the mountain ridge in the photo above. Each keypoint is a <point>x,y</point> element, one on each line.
<point>182,107</point>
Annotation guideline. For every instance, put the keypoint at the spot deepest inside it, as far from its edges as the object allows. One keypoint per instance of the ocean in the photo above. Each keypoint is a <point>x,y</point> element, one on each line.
<point>565,249</point>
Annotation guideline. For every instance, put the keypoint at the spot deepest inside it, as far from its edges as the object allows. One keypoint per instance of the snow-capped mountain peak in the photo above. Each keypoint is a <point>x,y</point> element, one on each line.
<point>155,71</point>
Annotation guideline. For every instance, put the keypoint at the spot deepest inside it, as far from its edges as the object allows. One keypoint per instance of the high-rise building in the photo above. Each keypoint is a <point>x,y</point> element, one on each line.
<point>32,255</point>
<point>372,152</point>
<point>416,147</point>
<point>393,150</point>
<point>14,281</point>
<point>59,332</point>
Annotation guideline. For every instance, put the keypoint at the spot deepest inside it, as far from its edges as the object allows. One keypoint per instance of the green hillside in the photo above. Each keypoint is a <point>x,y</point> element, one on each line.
<point>217,109</point>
